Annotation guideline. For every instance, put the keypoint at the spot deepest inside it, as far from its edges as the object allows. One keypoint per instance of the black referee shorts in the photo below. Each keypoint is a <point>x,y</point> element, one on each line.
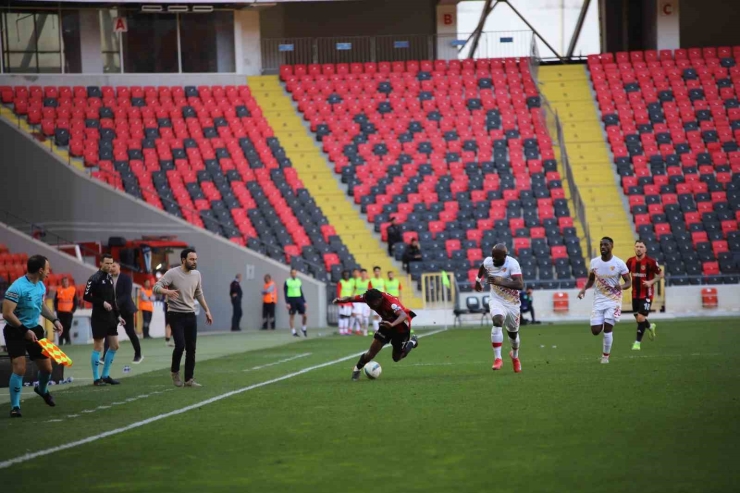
<point>18,345</point>
<point>104,327</point>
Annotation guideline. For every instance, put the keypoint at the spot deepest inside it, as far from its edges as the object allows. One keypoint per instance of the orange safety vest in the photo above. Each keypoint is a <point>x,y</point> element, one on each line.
<point>272,296</point>
<point>144,305</point>
<point>65,299</point>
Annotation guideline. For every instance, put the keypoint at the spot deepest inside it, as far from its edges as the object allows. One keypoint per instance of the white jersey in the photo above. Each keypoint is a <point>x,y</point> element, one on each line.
<point>511,268</point>
<point>607,285</point>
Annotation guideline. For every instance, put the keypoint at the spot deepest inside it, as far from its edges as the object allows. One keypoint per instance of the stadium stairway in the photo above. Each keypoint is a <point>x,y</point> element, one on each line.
<point>8,114</point>
<point>569,92</point>
<point>318,177</point>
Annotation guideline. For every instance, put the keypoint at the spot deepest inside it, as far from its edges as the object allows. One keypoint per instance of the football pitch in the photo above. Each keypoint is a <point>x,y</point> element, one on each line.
<point>664,419</point>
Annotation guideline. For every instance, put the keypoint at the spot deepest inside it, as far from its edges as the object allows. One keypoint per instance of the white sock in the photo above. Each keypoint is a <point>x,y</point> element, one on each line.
<point>351,323</point>
<point>303,328</point>
<point>497,339</point>
<point>608,339</point>
<point>342,323</point>
<point>367,323</point>
<point>292,330</point>
<point>514,346</point>
<point>376,325</point>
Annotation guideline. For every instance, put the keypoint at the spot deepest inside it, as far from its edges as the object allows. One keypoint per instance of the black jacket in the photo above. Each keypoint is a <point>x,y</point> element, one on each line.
<point>124,286</point>
<point>99,289</point>
<point>235,289</point>
<point>394,234</point>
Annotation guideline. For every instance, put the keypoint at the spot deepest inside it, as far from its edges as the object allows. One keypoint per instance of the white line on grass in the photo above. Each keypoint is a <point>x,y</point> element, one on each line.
<point>138,424</point>
<point>278,362</point>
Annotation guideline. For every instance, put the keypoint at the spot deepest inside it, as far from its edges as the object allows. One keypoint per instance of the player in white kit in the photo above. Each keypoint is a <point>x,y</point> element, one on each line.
<point>604,274</point>
<point>505,277</point>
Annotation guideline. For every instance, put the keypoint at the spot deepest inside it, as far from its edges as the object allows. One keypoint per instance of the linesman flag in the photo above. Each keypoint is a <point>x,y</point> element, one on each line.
<point>52,351</point>
<point>445,280</point>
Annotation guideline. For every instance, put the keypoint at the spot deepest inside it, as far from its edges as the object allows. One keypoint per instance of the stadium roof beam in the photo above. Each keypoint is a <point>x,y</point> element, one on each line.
<point>488,8</point>
<point>578,28</point>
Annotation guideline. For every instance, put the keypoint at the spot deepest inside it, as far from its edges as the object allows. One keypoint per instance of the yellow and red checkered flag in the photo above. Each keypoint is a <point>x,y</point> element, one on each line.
<point>52,351</point>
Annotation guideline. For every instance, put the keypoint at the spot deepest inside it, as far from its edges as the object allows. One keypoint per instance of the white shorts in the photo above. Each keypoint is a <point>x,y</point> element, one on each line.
<point>360,309</point>
<point>511,314</point>
<point>606,314</point>
<point>345,310</point>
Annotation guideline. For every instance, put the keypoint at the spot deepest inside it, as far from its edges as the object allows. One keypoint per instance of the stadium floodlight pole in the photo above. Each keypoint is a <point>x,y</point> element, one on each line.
<point>476,34</point>
<point>536,33</point>
<point>578,29</point>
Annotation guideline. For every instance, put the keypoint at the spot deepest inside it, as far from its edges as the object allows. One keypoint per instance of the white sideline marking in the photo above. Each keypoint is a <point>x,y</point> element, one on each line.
<point>278,362</point>
<point>138,424</point>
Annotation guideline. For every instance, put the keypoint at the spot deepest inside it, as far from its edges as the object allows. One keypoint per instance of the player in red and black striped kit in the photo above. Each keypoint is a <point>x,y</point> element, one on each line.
<point>395,327</point>
<point>645,273</point>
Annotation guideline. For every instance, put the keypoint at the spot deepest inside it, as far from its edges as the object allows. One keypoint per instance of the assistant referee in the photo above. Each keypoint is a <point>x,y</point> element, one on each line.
<point>24,302</point>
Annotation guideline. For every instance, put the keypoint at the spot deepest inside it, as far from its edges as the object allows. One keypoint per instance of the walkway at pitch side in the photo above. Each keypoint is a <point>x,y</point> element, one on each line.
<point>158,356</point>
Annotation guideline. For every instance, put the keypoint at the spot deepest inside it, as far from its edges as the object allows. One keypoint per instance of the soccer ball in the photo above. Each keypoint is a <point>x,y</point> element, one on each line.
<point>373,370</point>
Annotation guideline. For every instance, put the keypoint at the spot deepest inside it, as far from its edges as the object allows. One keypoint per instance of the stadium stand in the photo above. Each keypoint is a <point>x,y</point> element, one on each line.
<point>673,122</point>
<point>204,154</point>
<point>457,151</point>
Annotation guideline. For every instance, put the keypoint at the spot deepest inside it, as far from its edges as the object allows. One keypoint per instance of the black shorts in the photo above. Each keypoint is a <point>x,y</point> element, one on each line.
<point>18,345</point>
<point>297,306</point>
<point>641,306</point>
<point>104,328</point>
<point>397,337</point>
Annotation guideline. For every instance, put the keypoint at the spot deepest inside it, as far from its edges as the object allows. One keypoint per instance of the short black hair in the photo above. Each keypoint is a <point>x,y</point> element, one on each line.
<point>640,241</point>
<point>35,263</point>
<point>377,267</point>
<point>184,254</point>
<point>105,256</point>
<point>390,272</point>
<point>373,295</point>
<point>363,270</point>
<point>608,239</point>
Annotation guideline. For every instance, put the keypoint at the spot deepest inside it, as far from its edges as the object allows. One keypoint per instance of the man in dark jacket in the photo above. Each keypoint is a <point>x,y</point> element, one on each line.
<point>394,236</point>
<point>124,286</point>
<point>104,320</point>
<point>235,292</point>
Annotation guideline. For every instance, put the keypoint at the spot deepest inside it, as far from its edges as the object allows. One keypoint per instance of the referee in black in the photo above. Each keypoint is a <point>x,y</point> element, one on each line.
<point>100,292</point>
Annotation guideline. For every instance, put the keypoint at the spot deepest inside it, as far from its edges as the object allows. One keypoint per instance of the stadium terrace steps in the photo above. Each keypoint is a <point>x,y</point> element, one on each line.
<point>318,177</point>
<point>8,114</point>
<point>569,92</point>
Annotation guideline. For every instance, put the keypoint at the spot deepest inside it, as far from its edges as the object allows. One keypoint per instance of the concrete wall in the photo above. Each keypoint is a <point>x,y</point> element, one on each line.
<point>248,53</point>
<point>61,263</point>
<point>39,188</point>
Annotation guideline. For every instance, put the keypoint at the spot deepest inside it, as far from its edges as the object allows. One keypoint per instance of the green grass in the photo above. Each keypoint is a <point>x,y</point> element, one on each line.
<point>664,419</point>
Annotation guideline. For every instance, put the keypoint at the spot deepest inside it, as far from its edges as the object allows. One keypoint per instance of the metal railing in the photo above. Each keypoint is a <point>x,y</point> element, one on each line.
<point>39,232</point>
<point>391,48</point>
<point>435,293</point>
<point>555,129</point>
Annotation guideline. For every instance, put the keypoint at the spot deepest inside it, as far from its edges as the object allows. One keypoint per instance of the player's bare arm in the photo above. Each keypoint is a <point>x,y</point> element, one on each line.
<point>401,317</point>
<point>627,281</point>
<point>516,282</point>
<point>202,300</point>
<point>661,275</point>
<point>345,299</point>
<point>51,317</point>
<point>479,278</point>
<point>11,319</point>
<point>8,315</point>
<point>589,284</point>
